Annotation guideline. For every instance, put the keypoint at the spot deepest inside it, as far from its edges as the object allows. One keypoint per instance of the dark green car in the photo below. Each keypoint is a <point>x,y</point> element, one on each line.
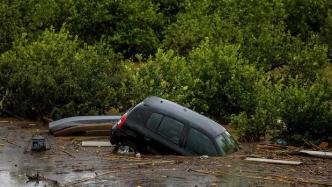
<point>157,125</point>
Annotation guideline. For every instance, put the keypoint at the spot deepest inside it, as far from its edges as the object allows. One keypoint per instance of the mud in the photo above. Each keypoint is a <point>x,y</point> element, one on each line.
<point>67,163</point>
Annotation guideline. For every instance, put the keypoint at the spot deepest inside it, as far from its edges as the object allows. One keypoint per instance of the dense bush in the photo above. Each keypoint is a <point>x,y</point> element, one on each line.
<point>130,26</point>
<point>31,17</point>
<point>58,75</point>
<point>255,64</point>
<point>164,75</point>
<point>292,111</point>
<point>213,79</point>
<point>307,111</point>
<point>306,17</point>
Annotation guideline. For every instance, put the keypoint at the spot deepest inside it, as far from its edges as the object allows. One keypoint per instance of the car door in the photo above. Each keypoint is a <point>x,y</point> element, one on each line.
<point>166,133</point>
<point>198,143</point>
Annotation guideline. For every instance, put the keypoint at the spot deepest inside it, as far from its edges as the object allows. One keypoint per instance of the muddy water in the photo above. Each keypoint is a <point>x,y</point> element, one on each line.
<point>88,169</point>
<point>67,163</point>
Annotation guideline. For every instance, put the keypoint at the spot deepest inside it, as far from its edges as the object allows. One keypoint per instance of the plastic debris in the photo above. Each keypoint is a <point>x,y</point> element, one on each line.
<point>204,157</point>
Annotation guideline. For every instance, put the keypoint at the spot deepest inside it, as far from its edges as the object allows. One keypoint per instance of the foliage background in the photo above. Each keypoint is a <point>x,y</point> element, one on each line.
<point>262,66</point>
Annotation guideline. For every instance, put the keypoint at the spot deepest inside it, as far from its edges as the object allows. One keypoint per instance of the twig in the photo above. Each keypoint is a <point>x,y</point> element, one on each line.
<point>69,153</point>
<point>10,142</point>
<point>311,144</point>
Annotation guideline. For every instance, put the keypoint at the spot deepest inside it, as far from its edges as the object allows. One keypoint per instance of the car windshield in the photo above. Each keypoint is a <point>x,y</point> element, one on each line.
<point>226,143</point>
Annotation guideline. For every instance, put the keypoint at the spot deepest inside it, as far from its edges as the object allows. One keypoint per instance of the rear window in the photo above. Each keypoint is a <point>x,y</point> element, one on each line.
<point>154,121</point>
<point>226,143</point>
<point>171,129</point>
<point>199,143</point>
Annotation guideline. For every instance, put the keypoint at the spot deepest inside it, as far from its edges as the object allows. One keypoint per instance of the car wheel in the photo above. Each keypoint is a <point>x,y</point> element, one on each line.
<point>125,148</point>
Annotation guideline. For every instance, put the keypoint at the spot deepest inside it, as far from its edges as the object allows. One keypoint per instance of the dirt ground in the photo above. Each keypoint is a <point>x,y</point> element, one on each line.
<point>67,163</point>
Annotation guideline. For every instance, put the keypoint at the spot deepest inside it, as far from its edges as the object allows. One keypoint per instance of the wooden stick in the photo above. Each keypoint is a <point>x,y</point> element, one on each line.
<point>96,144</point>
<point>320,154</point>
<point>272,161</point>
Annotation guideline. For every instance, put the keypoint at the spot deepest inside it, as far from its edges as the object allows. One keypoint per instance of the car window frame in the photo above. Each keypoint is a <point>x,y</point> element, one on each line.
<point>156,129</point>
<point>180,144</point>
<point>214,143</point>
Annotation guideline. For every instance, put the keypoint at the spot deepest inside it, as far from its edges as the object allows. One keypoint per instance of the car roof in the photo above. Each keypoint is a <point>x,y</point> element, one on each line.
<point>195,119</point>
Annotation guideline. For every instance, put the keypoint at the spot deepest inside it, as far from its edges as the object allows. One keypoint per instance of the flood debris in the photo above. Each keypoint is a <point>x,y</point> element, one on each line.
<point>37,143</point>
<point>281,141</point>
<point>319,154</point>
<point>86,129</point>
<point>275,146</point>
<point>138,155</point>
<point>273,161</point>
<point>9,141</point>
<point>34,177</point>
<point>37,177</point>
<point>265,176</point>
<point>96,144</point>
<point>94,125</point>
<point>204,157</point>
<point>69,154</point>
<point>323,145</point>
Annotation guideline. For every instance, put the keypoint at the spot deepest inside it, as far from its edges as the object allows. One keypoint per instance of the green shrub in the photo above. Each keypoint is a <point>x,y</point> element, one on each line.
<point>262,119</point>
<point>165,75</point>
<point>307,111</point>
<point>31,17</point>
<point>223,83</point>
<point>59,76</point>
<point>292,111</point>
<point>130,26</point>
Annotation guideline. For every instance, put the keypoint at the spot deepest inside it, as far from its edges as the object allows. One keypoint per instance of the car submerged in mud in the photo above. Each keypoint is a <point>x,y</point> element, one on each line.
<point>160,126</point>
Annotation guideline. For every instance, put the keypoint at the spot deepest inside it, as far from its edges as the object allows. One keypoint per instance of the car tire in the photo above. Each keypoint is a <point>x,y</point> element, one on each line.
<point>125,148</point>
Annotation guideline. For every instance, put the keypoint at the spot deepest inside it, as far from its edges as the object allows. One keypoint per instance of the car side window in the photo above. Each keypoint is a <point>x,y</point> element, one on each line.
<point>171,129</point>
<point>199,143</point>
<point>154,121</point>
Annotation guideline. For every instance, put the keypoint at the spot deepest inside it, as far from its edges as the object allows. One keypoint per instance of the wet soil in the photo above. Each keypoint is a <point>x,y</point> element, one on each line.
<point>67,163</point>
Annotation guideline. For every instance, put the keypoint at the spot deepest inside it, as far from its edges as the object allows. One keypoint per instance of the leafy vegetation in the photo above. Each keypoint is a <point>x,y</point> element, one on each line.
<point>58,75</point>
<point>261,66</point>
